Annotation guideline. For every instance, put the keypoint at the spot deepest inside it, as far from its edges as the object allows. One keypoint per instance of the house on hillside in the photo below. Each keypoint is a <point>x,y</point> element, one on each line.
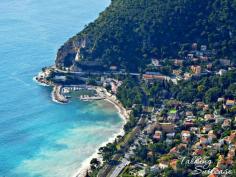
<point>113,68</point>
<point>229,104</point>
<point>155,62</point>
<point>185,136</point>
<point>166,127</point>
<point>157,136</point>
<point>149,76</point>
<point>178,62</point>
<point>203,47</point>
<point>225,62</point>
<point>196,69</point>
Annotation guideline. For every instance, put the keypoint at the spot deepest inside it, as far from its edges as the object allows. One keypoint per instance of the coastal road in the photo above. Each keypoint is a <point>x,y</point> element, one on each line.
<point>96,73</point>
<point>120,167</point>
<point>109,170</point>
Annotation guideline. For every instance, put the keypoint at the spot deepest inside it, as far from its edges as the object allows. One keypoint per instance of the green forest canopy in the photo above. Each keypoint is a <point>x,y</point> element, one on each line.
<point>130,32</point>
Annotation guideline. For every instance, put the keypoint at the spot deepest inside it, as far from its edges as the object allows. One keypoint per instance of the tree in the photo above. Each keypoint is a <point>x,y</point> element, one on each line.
<point>141,152</point>
<point>231,91</point>
<point>212,94</point>
<point>94,163</point>
<point>108,151</point>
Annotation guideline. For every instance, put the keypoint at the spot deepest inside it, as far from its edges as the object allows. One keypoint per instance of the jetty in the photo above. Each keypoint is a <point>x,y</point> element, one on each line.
<point>91,98</point>
<point>57,94</point>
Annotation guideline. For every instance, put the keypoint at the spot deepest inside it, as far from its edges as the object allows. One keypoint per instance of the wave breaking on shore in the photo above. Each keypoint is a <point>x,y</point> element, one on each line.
<point>123,113</point>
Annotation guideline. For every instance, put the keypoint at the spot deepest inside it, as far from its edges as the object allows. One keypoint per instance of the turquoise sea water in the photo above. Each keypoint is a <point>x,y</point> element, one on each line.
<point>39,138</point>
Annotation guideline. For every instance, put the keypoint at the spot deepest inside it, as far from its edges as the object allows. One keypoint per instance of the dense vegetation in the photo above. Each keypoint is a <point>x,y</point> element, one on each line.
<point>207,89</point>
<point>130,32</point>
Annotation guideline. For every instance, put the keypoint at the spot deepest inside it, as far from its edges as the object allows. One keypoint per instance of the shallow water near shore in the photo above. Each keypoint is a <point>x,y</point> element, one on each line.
<point>39,138</point>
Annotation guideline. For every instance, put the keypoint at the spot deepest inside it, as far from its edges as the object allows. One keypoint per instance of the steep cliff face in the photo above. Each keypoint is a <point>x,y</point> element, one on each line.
<point>130,32</point>
<point>65,55</point>
<point>69,53</point>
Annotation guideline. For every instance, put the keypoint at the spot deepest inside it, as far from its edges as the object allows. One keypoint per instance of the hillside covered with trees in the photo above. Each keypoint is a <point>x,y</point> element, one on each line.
<point>131,32</point>
<point>207,89</point>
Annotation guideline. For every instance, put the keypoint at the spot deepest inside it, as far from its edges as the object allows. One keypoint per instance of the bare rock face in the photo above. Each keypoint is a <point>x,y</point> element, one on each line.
<point>67,54</point>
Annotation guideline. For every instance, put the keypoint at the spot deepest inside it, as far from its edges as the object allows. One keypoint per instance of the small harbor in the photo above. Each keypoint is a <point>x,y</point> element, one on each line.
<point>61,94</point>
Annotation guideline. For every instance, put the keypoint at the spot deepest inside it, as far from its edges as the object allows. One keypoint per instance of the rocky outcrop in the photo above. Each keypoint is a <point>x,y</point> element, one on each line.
<point>69,53</point>
<point>65,55</point>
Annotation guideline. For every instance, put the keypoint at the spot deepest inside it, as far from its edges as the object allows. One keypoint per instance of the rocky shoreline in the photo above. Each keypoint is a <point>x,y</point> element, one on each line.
<point>56,94</point>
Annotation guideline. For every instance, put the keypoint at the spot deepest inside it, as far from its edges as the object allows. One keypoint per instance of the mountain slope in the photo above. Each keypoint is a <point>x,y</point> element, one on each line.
<point>130,32</point>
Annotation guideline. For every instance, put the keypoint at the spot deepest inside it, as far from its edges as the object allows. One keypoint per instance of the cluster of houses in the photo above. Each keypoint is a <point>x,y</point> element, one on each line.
<point>190,133</point>
<point>225,161</point>
<point>112,83</point>
<point>198,61</point>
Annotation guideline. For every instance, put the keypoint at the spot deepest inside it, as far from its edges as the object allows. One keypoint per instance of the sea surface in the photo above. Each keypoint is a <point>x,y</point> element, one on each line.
<point>40,138</point>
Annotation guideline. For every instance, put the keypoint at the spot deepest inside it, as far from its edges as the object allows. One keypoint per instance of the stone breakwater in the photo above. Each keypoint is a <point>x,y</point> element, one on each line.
<point>57,95</point>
